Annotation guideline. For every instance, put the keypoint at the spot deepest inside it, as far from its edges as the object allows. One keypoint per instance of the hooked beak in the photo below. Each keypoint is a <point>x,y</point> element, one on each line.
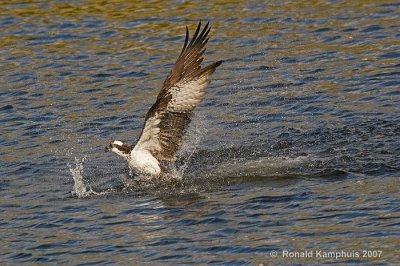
<point>108,148</point>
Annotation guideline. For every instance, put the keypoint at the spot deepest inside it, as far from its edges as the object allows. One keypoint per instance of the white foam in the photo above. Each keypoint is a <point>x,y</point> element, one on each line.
<point>264,166</point>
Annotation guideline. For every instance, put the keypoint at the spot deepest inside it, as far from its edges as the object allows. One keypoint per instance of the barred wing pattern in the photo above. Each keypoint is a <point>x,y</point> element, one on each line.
<point>182,91</point>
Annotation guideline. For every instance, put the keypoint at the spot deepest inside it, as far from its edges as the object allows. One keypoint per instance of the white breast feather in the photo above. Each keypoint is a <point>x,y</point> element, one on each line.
<point>143,162</point>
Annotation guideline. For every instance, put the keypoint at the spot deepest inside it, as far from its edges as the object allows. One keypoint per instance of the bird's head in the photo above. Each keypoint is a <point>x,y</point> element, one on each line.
<point>119,148</point>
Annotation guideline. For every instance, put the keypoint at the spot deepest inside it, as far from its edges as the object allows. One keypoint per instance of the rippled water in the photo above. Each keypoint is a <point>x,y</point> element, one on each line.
<point>298,138</point>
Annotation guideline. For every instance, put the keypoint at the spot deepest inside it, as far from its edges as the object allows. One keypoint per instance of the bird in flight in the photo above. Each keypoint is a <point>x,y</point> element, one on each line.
<point>168,118</point>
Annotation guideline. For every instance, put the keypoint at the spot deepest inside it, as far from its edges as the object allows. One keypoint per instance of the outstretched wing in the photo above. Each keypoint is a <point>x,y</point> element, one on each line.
<point>182,91</point>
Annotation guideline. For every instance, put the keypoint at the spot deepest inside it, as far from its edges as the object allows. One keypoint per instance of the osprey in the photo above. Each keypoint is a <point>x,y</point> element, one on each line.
<point>168,118</point>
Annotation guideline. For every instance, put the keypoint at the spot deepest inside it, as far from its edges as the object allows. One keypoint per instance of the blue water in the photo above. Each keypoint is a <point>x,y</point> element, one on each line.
<point>295,148</point>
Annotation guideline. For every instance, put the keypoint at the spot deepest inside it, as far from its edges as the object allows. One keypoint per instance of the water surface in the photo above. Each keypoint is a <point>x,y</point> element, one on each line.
<point>296,146</point>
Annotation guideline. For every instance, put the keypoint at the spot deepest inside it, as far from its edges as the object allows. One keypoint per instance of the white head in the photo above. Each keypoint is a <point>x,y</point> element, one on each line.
<point>118,147</point>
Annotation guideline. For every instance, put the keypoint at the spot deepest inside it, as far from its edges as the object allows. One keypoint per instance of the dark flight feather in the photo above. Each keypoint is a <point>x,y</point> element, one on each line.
<point>182,91</point>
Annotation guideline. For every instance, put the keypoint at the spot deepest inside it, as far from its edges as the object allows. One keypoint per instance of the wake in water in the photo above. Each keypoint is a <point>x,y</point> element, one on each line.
<point>195,171</point>
<point>263,166</point>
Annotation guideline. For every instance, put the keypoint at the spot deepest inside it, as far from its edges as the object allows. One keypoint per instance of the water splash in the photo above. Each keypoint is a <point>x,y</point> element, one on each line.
<point>80,190</point>
<point>193,136</point>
